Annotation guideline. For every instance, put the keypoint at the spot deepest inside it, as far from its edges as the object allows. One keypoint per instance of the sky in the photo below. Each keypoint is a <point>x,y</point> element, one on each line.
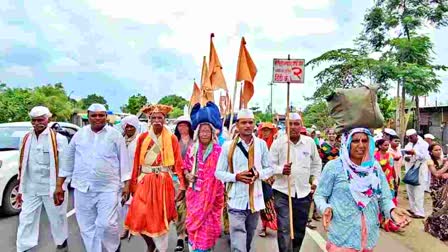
<point>119,48</point>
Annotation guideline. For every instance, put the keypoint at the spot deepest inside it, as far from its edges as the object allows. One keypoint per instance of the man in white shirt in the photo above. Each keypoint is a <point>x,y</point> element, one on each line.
<point>38,169</point>
<point>97,160</point>
<point>417,155</point>
<point>303,171</point>
<point>249,164</point>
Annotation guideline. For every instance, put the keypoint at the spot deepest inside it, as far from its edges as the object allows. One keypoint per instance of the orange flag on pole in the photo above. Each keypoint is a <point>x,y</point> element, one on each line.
<point>206,87</point>
<point>246,71</point>
<point>216,76</point>
<point>195,95</point>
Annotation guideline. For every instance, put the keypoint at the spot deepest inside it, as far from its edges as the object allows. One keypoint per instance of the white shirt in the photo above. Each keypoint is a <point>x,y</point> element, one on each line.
<point>305,160</point>
<point>421,157</point>
<point>239,193</point>
<point>96,162</point>
<point>37,175</point>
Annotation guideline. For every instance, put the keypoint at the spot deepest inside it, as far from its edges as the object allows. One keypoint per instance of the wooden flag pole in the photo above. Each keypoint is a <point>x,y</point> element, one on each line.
<point>232,106</point>
<point>291,226</point>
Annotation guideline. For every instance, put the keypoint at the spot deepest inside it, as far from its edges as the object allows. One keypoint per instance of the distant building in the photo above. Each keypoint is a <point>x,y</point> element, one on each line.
<point>434,120</point>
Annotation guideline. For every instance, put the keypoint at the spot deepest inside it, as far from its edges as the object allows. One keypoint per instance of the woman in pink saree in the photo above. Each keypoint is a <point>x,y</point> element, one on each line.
<point>205,194</point>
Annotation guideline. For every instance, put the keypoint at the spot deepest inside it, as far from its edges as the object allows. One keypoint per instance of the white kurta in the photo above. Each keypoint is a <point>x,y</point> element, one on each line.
<point>305,160</point>
<point>98,164</point>
<point>238,195</point>
<point>416,194</point>
<point>38,179</point>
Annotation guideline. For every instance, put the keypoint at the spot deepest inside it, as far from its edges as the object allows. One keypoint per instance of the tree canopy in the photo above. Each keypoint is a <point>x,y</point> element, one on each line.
<point>135,103</point>
<point>93,98</point>
<point>178,103</point>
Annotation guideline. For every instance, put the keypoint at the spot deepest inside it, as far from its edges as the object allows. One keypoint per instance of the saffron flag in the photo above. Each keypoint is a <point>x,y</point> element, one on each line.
<point>245,71</point>
<point>216,75</point>
<point>195,95</point>
<point>206,87</point>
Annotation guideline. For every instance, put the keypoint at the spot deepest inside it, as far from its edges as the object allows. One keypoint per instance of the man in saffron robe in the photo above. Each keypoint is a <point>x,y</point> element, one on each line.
<point>157,155</point>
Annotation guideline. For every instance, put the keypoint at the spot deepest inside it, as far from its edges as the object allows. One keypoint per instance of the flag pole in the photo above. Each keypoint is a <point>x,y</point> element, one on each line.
<point>291,226</point>
<point>232,105</point>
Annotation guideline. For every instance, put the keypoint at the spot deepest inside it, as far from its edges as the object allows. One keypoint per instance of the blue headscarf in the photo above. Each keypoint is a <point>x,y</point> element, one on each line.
<point>363,179</point>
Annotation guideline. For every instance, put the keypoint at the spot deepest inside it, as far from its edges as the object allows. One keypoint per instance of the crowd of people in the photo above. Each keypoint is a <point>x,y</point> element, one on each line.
<point>209,181</point>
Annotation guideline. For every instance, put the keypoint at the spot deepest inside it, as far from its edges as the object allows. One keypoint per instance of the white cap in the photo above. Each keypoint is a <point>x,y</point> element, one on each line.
<point>295,117</point>
<point>130,120</point>
<point>411,132</point>
<point>245,114</point>
<point>390,132</point>
<point>317,132</point>
<point>40,111</point>
<point>96,107</point>
<point>183,119</point>
<point>430,136</point>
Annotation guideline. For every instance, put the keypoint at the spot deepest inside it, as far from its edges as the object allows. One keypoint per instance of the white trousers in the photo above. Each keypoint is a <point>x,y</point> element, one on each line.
<point>416,195</point>
<point>97,216</point>
<point>29,219</point>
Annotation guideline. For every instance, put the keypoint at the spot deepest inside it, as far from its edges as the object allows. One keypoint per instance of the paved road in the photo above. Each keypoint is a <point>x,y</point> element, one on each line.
<point>9,230</point>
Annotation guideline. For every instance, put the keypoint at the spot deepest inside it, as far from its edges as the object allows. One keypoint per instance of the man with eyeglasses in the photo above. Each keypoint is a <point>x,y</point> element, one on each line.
<point>303,171</point>
<point>97,161</point>
<point>243,164</point>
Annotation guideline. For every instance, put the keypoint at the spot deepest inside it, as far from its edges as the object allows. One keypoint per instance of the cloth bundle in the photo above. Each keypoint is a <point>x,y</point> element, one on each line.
<point>355,107</point>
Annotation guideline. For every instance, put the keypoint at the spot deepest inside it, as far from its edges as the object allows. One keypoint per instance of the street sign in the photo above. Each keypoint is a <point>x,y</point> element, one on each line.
<point>289,71</point>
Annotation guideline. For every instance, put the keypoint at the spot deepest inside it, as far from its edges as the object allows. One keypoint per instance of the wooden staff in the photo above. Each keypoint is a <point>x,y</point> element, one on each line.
<point>291,226</point>
<point>231,106</point>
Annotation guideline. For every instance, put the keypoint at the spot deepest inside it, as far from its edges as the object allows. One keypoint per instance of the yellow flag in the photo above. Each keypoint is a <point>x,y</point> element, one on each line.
<point>195,95</point>
<point>245,71</point>
<point>206,87</point>
<point>216,76</point>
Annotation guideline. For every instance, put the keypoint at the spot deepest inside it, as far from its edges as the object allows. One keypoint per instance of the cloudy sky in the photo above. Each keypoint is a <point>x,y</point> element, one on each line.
<point>119,48</point>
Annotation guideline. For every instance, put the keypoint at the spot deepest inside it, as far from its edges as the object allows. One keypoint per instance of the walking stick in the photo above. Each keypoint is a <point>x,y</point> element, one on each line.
<point>291,227</point>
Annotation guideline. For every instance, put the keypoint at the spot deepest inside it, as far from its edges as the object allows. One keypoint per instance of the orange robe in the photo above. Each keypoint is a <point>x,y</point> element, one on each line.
<point>153,205</point>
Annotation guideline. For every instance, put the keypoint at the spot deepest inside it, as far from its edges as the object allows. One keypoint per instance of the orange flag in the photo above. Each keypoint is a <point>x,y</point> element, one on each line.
<point>224,104</point>
<point>195,95</point>
<point>206,87</point>
<point>246,71</point>
<point>216,76</point>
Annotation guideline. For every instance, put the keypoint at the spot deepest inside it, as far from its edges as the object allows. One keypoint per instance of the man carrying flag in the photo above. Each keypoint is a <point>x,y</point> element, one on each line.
<point>243,163</point>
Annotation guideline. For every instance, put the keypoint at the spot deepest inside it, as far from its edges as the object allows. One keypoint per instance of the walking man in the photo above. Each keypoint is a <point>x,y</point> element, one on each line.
<point>97,160</point>
<point>417,155</point>
<point>243,164</point>
<point>303,170</point>
<point>38,170</point>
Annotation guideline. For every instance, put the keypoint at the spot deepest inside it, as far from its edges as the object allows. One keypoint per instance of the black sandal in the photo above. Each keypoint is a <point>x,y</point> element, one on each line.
<point>180,247</point>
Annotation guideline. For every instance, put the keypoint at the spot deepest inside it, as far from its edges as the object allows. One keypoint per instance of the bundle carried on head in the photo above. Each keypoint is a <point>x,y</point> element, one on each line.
<point>207,114</point>
<point>355,108</point>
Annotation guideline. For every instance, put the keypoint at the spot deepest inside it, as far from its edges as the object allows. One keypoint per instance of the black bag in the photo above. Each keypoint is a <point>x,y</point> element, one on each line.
<point>267,189</point>
<point>412,176</point>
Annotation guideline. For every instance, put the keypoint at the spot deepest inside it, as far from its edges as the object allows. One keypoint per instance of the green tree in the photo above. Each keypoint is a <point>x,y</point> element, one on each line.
<point>318,114</point>
<point>178,103</point>
<point>93,98</point>
<point>135,103</point>
<point>15,103</point>
<point>396,26</point>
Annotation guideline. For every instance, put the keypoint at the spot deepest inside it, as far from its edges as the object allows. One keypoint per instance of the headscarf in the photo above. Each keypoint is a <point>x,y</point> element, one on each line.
<point>197,145</point>
<point>363,179</point>
<point>271,136</point>
<point>133,121</point>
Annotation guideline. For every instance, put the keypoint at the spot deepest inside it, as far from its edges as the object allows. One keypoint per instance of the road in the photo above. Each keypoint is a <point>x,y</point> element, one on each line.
<point>314,239</point>
<point>9,231</point>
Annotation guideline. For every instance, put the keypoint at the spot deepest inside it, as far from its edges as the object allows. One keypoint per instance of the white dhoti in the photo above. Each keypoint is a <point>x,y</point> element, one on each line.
<point>29,219</point>
<point>416,194</point>
<point>123,213</point>
<point>97,216</point>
